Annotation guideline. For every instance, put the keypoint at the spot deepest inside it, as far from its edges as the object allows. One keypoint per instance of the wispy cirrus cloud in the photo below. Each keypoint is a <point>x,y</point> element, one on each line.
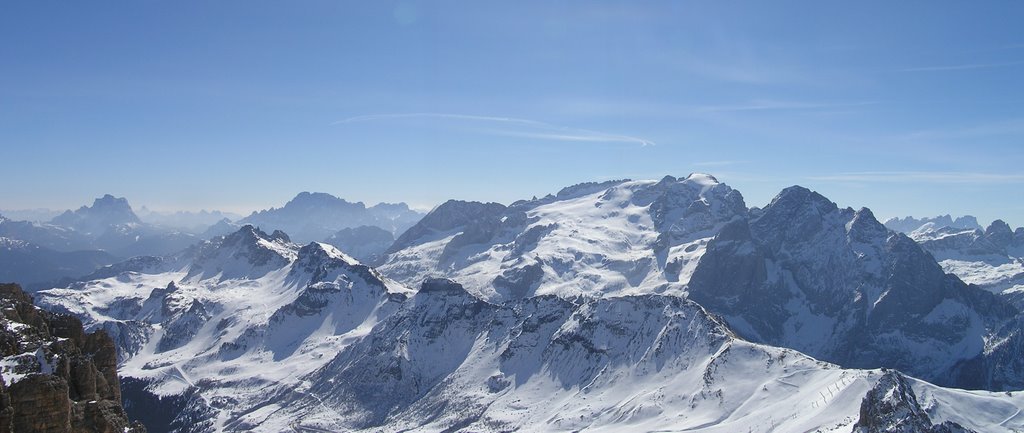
<point>618,108</point>
<point>947,177</point>
<point>962,67</point>
<point>770,105</point>
<point>510,127</point>
<point>718,163</point>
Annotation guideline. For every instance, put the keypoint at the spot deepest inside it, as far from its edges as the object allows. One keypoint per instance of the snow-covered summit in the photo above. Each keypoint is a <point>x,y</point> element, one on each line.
<point>616,237</point>
<point>248,252</point>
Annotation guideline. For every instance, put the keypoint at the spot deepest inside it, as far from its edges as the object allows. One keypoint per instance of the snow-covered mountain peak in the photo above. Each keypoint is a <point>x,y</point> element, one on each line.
<point>599,238</point>
<point>584,188</point>
<point>319,260</point>
<point>702,179</point>
<point>248,252</point>
<point>798,215</point>
<point>864,228</point>
<point>697,203</point>
<point>799,198</point>
<point>315,252</point>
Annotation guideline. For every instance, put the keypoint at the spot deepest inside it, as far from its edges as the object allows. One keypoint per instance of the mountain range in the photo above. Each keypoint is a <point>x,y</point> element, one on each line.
<point>316,216</point>
<point>75,243</point>
<point>910,224</point>
<point>643,305</point>
<point>109,225</point>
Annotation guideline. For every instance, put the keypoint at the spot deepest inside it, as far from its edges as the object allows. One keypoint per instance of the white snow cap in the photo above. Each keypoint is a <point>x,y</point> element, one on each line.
<point>702,178</point>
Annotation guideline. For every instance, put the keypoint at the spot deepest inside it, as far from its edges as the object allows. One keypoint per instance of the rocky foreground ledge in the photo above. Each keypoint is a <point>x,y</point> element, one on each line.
<point>54,377</point>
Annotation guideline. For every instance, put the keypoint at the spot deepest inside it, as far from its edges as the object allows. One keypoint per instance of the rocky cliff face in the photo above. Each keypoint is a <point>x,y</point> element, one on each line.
<point>835,284</point>
<point>55,377</point>
<point>892,407</point>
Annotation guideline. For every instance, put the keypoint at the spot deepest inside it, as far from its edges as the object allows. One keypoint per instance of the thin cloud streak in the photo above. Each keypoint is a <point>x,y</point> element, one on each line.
<point>768,105</point>
<point>961,67</point>
<point>718,163</point>
<point>542,130</point>
<point>618,108</point>
<point>946,177</point>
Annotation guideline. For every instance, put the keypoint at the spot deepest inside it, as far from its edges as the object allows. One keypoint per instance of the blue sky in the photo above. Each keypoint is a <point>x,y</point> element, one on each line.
<point>903,107</point>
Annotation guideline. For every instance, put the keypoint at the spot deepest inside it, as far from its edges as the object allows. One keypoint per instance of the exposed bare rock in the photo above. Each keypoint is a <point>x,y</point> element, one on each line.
<point>55,377</point>
<point>892,407</point>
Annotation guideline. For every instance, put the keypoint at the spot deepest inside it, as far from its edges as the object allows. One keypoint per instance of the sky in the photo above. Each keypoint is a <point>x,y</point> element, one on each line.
<point>908,108</point>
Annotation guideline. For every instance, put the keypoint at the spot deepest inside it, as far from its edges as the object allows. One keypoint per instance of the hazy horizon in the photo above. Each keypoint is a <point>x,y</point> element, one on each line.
<point>244,212</point>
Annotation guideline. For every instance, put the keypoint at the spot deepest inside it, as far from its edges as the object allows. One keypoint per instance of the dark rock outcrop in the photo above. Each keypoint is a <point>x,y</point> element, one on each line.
<point>56,378</point>
<point>834,283</point>
<point>892,407</point>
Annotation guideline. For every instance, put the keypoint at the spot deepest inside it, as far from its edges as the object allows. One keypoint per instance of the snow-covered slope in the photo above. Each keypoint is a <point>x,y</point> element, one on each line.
<point>449,361</point>
<point>993,259</point>
<point>622,305</point>
<point>250,312</point>
<point>611,238</point>
<point>800,273</point>
<point>323,343</point>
